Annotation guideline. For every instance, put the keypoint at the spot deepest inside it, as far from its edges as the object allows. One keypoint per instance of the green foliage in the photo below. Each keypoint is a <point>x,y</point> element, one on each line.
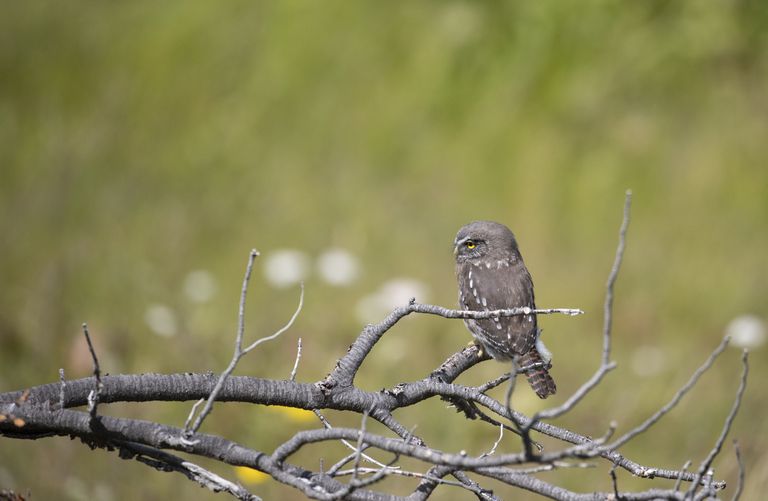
<point>140,141</point>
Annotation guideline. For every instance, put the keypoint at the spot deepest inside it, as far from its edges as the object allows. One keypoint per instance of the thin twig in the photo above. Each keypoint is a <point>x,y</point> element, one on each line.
<point>192,412</point>
<point>96,369</point>
<point>608,306</point>
<point>431,309</point>
<point>608,433</point>
<point>359,448</point>
<point>354,482</point>
<point>334,469</point>
<point>488,419</point>
<point>605,364</point>
<point>544,467</point>
<point>708,489</point>
<point>93,397</point>
<point>358,483</point>
<point>413,474</point>
<point>296,362</point>
<point>510,390</point>
<point>282,329</point>
<point>675,398</point>
<point>605,360</point>
<point>386,418</point>
<point>614,482</point>
<point>340,464</point>
<point>238,348</point>
<point>63,385</point>
<point>480,492</point>
<point>523,430</point>
<point>704,466</point>
<point>740,483</point>
<point>679,480</point>
<point>493,383</point>
<point>239,351</point>
<point>241,305</point>
<point>496,443</point>
<point>403,473</point>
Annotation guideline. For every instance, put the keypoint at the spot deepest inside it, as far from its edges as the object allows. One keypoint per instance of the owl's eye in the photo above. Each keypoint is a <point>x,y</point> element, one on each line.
<point>470,244</point>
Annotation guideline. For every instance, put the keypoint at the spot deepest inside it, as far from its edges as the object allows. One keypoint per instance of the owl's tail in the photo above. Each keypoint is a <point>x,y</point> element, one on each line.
<point>539,378</point>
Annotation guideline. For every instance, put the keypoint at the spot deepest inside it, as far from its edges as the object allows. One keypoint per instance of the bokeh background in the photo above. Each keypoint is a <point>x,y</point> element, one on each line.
<point>146,147</point>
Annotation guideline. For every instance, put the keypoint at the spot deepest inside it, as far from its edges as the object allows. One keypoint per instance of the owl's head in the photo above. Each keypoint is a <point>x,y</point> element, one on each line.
<point>480,239</point>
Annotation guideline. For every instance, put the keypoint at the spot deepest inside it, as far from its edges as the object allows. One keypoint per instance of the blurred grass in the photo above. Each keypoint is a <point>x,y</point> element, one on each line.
<point>139,142</point>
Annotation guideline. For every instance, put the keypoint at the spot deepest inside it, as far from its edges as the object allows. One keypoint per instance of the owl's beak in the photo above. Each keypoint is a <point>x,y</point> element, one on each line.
<point>456,244</point>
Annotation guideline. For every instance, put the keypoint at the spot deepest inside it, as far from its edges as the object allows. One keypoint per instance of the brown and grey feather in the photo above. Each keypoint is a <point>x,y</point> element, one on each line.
<point>492,276</point>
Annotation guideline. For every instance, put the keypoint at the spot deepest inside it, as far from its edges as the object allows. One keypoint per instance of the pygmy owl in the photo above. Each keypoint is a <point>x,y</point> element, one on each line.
<point>492,276</point>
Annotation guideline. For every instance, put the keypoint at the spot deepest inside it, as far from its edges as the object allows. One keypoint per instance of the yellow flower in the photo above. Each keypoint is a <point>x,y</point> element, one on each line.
<point>295,415</point>
<point>250,476</point>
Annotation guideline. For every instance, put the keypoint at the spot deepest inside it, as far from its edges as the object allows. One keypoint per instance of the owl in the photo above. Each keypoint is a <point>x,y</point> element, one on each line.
<point>492,276</point>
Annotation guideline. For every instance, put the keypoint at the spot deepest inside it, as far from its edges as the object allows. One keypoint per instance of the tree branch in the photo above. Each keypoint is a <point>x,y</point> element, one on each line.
<point>47,410</point>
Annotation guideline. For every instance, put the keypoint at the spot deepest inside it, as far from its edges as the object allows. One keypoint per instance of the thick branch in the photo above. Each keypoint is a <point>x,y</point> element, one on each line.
<point>41,421</point>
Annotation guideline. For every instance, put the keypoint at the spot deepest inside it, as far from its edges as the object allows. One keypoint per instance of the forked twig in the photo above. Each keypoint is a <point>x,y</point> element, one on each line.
<point>239,350</point>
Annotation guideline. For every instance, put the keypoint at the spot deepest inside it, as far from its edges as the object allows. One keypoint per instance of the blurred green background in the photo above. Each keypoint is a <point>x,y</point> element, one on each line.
<point>145,148</point>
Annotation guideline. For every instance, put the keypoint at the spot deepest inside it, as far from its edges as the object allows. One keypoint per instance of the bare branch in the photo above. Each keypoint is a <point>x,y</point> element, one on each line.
<point>355,483</point>
<point>93,397</point>
<point>296,362</point>
<point>414,474</point>
<point>359,449</point>
<point>431,309</point>
<point>614,482</point>
<point>605,361</point>
<point>63,386</point>
<point>493,383</point>
<point>608,306</point>
<point>282,392</point>
<point>33,414</point>
<point>192,412</point>
<point>347,367</point>
<point>675,399</point>
<point>239,351</point>
<point>680,478</point>
<point>434,477</point>
<point>164,461</point>
<point>704,466</point>
<point>355,450</point>
<point>740,484</point>
<point>386,418</point>
<point>283,328</point>
<point>496,443</point>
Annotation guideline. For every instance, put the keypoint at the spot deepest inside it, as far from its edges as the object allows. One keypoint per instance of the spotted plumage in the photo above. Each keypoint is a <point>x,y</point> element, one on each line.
<point>492,276</point>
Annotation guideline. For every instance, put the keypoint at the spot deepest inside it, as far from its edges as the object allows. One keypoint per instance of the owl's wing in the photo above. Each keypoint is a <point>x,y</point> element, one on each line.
<point>500,286</point>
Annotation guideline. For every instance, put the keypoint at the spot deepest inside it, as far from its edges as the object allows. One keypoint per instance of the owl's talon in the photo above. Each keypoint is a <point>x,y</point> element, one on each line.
<point>474,342</point>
